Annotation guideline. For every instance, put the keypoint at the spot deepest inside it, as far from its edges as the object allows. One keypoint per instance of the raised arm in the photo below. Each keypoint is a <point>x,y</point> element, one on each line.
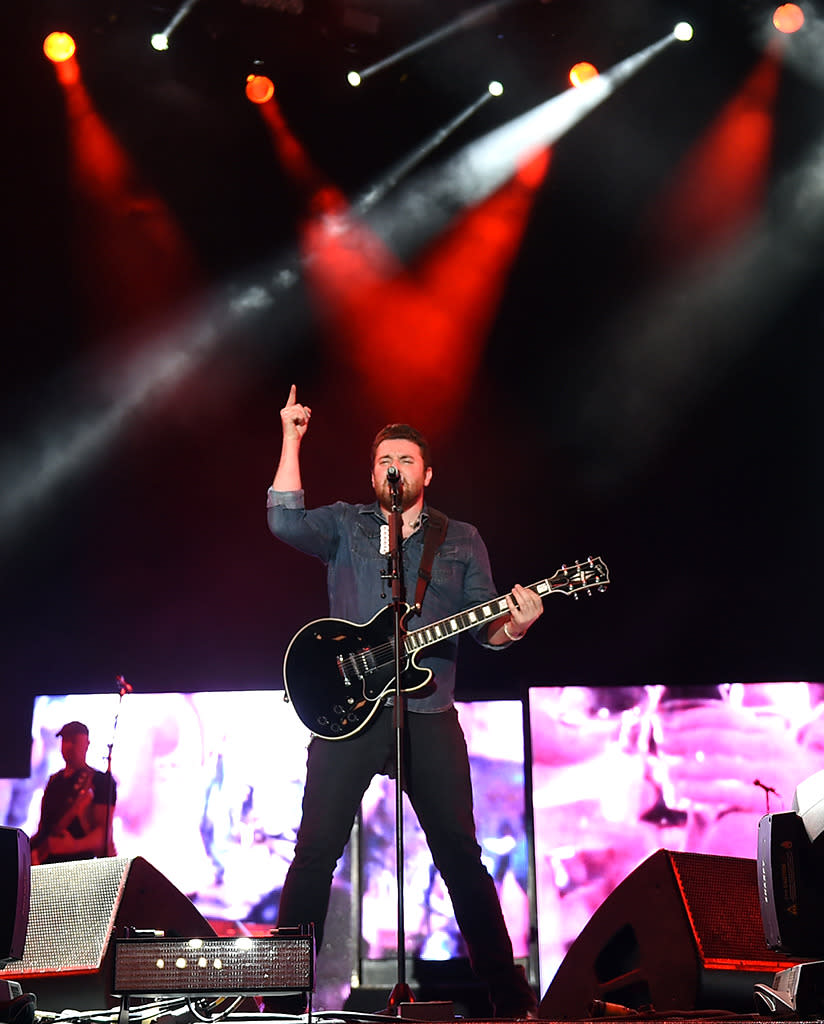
<point>294,420</point>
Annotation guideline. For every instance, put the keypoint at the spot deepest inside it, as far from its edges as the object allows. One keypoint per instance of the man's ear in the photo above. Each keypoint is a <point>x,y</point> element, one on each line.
<point>427,476</point>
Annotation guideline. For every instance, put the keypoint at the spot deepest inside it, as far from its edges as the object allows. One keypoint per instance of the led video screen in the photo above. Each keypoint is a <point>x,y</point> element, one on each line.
<point>209,789</point>
<point>619,773</point>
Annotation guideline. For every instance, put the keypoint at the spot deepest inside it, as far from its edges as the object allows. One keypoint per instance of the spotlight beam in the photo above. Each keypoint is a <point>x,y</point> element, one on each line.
<point>404,167</point>
<point>467,20</point>
<point>38,466</point>
<point>65,446</point>
<point>178,16</point>
<point>491,159</point>
<point>430,200</point>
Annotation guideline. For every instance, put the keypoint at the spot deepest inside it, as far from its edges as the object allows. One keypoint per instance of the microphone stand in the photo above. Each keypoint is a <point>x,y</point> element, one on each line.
<point>401,993</point>
<point>123,689</point>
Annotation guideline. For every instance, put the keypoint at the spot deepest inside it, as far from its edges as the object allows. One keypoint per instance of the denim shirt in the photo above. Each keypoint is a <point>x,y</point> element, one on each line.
<point>346,538</point>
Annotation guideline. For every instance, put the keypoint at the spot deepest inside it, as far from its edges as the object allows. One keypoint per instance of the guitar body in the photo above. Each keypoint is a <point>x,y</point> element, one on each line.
<point>80,802</point>
<point>336,673</point>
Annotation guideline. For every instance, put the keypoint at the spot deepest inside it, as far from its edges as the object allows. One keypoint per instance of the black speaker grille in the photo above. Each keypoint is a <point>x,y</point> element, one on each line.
<point>249,966</point>
<point>721,897</point>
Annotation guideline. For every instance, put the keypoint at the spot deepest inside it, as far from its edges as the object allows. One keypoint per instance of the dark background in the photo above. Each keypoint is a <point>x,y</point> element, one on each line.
<point>693,468</point>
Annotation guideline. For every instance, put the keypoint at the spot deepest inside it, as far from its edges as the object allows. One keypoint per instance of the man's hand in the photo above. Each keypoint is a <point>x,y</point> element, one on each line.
<point>524,608</point>
<point>294,417</point>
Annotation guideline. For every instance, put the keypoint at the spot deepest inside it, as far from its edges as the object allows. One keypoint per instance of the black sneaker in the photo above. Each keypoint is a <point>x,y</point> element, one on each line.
<point>512,996</point>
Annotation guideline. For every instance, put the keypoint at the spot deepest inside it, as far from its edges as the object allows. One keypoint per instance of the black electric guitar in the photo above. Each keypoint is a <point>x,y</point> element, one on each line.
<point>336,673</point>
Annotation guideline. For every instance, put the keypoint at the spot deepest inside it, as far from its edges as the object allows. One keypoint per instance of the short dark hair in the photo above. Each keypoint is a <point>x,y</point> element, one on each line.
<point>402,432</point>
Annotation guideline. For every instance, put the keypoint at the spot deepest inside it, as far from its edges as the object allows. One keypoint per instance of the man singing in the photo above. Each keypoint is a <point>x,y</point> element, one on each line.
<point>347,538</point>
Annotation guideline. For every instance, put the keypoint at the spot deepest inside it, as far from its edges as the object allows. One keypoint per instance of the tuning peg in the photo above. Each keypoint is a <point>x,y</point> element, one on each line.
<point>576,595</point>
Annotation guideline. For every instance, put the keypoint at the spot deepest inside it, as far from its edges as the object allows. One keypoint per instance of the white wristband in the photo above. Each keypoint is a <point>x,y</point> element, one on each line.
<point>520,636</point>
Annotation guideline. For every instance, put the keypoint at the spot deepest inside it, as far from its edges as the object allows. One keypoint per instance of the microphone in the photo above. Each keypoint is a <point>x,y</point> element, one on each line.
<point>123,687</point>
<point>393,477</point>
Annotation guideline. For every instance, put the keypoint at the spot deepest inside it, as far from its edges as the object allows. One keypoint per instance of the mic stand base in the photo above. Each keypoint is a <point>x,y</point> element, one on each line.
<point>399,995</point>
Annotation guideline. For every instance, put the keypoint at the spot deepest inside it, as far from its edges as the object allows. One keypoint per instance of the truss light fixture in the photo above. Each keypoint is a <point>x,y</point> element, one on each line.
<point>788,18</point>
<point>581,73</point>
<point>59,47</point>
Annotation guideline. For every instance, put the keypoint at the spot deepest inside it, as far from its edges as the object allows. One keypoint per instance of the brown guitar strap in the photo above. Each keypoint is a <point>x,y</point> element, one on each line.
<point>435,531</point>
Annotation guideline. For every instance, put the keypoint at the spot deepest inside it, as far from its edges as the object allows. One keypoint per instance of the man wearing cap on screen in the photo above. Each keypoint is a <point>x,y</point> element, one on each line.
<point>78,806</point>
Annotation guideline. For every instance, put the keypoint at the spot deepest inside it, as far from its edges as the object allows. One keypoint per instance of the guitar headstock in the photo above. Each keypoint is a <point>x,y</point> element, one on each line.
<point>590,574</point>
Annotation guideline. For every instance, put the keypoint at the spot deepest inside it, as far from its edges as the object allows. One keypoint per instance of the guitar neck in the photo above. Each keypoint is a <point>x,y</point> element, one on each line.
<point>567,580</point>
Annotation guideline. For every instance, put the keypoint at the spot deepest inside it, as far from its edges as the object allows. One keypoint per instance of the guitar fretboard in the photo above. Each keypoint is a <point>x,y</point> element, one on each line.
<point>568,580</point>
<point>476,616</point>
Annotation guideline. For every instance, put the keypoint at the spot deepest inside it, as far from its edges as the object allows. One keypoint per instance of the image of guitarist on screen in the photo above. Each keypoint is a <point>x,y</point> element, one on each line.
<point>355,741</point>
<point>77,808</point>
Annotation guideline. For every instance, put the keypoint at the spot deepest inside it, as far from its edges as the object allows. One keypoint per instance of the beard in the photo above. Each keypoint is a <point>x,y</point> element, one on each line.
<point>409,494</point>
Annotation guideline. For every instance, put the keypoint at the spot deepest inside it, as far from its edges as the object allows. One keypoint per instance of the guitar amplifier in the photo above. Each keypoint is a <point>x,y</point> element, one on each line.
<point>281,962</point>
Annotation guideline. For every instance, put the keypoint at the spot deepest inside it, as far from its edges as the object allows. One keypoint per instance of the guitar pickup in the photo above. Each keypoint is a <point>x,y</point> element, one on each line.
<point>367,661</point>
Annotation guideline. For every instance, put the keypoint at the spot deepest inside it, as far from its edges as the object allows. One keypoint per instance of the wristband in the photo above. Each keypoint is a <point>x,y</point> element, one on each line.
<point>520,636</point>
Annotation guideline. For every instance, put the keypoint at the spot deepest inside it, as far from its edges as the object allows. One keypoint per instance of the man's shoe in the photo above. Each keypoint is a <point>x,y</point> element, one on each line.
<point>512,996</point>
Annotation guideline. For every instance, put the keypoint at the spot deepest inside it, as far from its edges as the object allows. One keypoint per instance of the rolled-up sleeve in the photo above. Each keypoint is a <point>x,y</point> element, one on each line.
<point>479,585</point>
<point>313,531</point>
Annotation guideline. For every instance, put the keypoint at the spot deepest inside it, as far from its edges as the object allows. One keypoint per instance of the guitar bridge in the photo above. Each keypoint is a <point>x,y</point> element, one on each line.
<point>356,667</point>
<point>343,662</point>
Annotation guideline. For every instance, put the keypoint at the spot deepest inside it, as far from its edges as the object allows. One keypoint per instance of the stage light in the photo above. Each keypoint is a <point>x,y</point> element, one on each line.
<point>464,21</point>
<point>259,88</point>
<point>58,47</point>
<point>683,32</point>
<point>354,79</point>
<point>581,73</point>
<point>788,18</point>
<point>495,89</point>
<point>160,40</point>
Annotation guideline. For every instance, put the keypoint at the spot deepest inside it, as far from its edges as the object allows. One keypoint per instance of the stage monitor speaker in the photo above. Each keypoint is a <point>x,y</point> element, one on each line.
<point>682,932</point>
<point>77,909</point>
<point>15,887</point>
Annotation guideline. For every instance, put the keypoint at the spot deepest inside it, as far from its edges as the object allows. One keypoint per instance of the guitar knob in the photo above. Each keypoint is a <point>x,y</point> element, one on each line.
<point>323,720</point>
<point>339,709</point>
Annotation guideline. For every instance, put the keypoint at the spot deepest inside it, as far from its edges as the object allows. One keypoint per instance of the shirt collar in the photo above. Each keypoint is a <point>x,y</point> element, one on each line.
<point>374,509</point>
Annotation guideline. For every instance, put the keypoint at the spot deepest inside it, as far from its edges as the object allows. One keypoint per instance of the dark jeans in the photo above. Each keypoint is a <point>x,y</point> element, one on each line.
<point>438,784</point>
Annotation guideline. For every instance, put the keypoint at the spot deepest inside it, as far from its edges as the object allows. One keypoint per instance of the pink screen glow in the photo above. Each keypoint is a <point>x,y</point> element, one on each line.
<point>620,773</point>
<point>210,784</point>
<point>209,792</point>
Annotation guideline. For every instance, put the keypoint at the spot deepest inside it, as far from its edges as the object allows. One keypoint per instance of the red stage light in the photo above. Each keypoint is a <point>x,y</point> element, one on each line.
<point>788,18</point>
<point>582,72</point>
<point>58,46</point>
<point>259,88</point>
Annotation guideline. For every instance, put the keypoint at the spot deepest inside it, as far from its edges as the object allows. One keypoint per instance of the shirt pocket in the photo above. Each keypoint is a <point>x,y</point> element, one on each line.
<point>448,568</point>
<point>365,544</point>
